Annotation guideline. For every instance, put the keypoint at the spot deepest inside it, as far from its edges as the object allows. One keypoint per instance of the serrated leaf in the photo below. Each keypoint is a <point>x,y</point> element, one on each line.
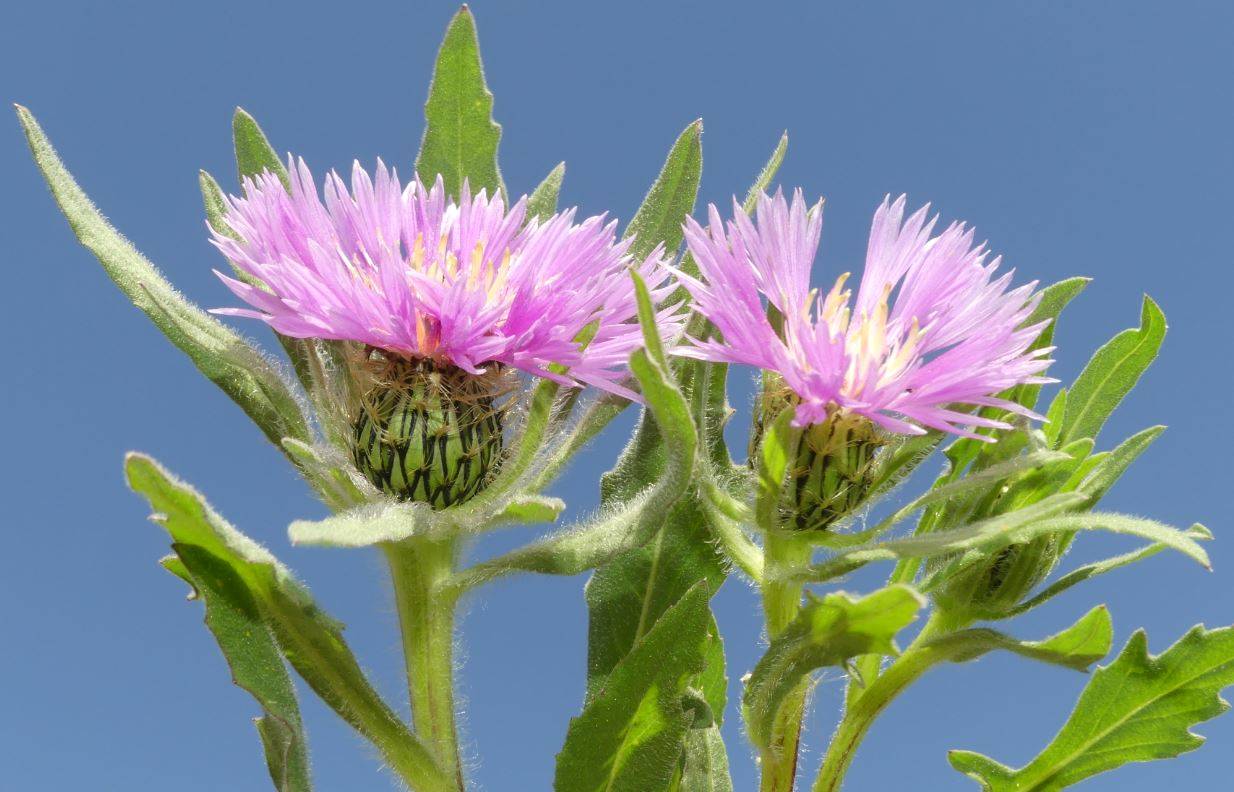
<point>460,139</point>
<point>671,198</point>
<point>542,202</point>
<point>256,664</point>
<point>310,640</point>
<point>827,631</point>
<point>1136,709</point>
<point>628,737</point>
<point>220,354</point>
<point>1078,646</point>
<point>1111,374</point>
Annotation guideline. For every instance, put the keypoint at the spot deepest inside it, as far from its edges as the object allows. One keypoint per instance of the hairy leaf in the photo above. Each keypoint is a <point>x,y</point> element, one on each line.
<point>542,202</point>
<point>311,641</point>
<point>659,218</point>
<point>827,631</point>
<point>220,354</point>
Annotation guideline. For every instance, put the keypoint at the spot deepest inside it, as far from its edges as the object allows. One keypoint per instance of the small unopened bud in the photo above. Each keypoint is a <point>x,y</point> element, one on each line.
<point>428,432</point>
<point>996,586</point>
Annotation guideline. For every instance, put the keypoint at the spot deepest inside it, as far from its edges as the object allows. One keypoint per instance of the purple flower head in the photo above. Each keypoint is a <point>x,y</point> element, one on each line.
<point>931,326</point>
<point>470,283</point>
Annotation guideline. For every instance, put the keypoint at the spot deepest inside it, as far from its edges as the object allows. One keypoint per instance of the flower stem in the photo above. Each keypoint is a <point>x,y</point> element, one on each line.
<point>420,569</point>
<point>781,602</point>
<point>863,708</point>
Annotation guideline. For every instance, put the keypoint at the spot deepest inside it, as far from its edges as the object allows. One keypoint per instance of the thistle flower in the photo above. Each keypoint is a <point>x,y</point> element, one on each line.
<point>930,331</point>
<point>444,299</point>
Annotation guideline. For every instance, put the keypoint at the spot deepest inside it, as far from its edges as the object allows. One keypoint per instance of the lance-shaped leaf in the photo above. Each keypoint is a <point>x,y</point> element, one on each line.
<point>542,202</point>
<point>672,195</point>
<point>628,737</point>
<point>256,664</point>
<point>1083,573</point>
<point>254,154</point>
<point>460,139</point>
<point>977,541</point>
<point>1110,375</point>
<point>1102,476</point>
<point>222,355</point>
<point>1136,709</point>
<point>828,631</point>
<point>312,642</point>
<point>1078,646</point>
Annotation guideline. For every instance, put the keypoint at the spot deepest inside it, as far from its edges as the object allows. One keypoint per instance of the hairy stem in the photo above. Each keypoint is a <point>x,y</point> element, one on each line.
<point>864,707</point>
<point>420,569</point>
<point>781,602</point>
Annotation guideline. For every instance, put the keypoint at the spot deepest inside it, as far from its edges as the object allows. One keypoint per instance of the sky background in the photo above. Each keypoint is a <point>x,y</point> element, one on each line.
<point>1080,138</point>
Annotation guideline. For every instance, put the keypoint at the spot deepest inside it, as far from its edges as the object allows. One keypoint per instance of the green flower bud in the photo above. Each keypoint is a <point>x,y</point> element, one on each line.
<point>428,432</point>
<point>834,471</point>
<point>992,589</point>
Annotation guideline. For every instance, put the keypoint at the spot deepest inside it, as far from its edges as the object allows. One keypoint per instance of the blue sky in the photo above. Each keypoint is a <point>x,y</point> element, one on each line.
<point>1080,138</point>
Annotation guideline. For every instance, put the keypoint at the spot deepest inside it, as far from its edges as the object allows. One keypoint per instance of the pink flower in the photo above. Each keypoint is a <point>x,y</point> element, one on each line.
<point>931,327</point>
<point>409,271</point>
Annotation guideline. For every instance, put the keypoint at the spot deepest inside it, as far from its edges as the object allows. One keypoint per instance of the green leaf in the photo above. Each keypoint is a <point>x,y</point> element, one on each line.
<point>542,202</point>
<point>1112,466</point>
<point>373,523</point>
<point>626,524</point>
<point>763,181</point>
<point>986,536</point>
<point>1081,574</point>
<point>1136,709</point>
<point>311,641</point>
<point>222,355</point>
<point>628,737</point>
<point>215,203</point>
<point>1111,374</point>
<point>777,450</point>
<point>704,765</point>
<point>256,664</point>
<point>254,154</point>
<point>1078,646</point>
<point>460,139</point>
<point>532,509</point>
<point>826,632</point>
<point>671,198</point>
<point>1054,298</point>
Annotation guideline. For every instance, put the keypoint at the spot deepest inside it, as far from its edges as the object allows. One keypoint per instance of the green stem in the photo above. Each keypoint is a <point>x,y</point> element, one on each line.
<point>420,570</point>
<point>781,602</point>
<point>862,709</point>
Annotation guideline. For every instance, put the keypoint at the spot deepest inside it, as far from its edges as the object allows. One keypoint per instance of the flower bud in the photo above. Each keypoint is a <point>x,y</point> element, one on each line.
<point>428,432</point>
<point>834,471</point>
<point>993,588</point>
